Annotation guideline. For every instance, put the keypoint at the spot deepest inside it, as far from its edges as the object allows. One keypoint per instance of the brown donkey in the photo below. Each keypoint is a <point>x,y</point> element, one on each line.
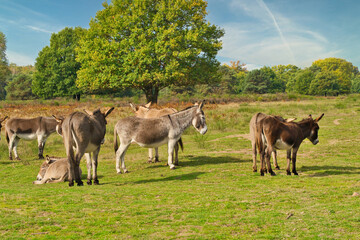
<point>272,134</point>
<point>253,122</point>
<point>1,121</point>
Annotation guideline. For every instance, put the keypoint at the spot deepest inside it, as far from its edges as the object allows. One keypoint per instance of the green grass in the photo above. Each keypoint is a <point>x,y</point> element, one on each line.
<point>213,194</point>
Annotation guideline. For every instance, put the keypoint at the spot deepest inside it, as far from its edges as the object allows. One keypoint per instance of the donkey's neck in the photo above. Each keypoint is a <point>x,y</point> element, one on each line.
<point>183,118</point>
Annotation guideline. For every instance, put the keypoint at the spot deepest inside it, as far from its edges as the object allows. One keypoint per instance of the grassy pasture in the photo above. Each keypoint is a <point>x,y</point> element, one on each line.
<point>212,195</point>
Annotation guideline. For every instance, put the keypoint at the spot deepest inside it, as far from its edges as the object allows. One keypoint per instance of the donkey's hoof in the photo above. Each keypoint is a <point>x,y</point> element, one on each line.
<point>149,161</point>
<point>295,173</point>
<point>80,183</point>
<point>261,174</point>
<point>254,170</point>
<point>17,158</point>
<point>277,168</point>
<point>96,182</point>
<point>288,173</point>
<point>126,171</point>
<point>10,158</point>
<point>41,157</point>
<point>119,172</point>
<point>172,167</point>
<point>71,184</point>
<point>272,174</point>
<point>157,159</point>
<point>89,182</point>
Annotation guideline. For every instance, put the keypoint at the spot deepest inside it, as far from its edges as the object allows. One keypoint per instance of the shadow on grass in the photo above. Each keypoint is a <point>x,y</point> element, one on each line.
<point>183,177</point>
<point>192,161</point>
<point>330,170</point>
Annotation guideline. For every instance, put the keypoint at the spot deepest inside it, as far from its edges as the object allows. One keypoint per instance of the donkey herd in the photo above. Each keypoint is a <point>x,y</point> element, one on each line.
<point>83,134</point>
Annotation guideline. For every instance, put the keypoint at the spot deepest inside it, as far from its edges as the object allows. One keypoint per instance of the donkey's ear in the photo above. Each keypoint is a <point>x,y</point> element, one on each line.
<point>3,119</point>
<point>318,118</point>
<point>202,104</point>
<point>290,120</point>
<point>133,107</point>
<point>59,120</point>
<point>148,105</point>
<point>48,159</point>
<point>88,112</point>
<point>310,116</point>
<point>108,111</point>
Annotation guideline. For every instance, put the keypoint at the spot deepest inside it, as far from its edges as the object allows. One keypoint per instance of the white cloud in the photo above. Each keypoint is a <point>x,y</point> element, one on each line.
<point>271,38</point>
<point>19,59</point>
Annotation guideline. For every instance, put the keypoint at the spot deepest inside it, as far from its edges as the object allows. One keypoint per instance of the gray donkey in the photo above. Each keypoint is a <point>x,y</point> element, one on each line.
<point>154,132</point>
<point>85,133</point>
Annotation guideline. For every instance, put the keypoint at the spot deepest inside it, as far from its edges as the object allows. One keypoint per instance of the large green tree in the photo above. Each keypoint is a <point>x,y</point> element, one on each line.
<point>283,75</point>
<point>149,45</point>
<point>4,68</point>
<point>300,82</point>
<point>56,65</point>
<point>325,83</point>
<point>342,69</point>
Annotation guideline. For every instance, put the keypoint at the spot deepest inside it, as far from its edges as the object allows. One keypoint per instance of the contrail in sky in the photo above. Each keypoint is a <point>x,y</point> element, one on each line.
<point>261,3</point>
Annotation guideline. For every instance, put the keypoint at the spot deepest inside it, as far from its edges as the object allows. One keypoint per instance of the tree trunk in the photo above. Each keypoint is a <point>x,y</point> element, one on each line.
<point>152,94</point>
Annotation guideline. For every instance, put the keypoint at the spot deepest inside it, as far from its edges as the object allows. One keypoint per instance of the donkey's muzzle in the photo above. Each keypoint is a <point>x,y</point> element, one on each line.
<point>316,141</point>
<point>203,130</point>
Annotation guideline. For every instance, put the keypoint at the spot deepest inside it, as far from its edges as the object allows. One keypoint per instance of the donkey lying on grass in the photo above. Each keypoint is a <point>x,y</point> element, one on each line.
<point>39,128</point>
<point>53,170</point>
<point>147,112</point>
<point>154,132</point>
<point>273,134</point>
<point>84,133</point>
<point>254,120</point>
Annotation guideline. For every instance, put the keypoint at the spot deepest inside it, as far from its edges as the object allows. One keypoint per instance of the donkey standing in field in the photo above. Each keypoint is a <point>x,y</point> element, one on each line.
<point>39,128</point>
<point>147,112</point>
<point>84,133</point>
<point>273,134</point>
<point>53,170</point>
<point>154,132</point>
<point>1,121</point>
<point>254,120</point>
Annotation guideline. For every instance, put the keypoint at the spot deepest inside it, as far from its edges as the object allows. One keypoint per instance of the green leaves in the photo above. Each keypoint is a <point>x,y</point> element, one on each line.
<point>148,44</point>
<point>56,65</point>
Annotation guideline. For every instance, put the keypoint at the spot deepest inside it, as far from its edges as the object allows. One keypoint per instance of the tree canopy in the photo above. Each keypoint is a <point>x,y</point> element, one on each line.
<point>56,66</point>
<point>149,45</point>
<point>4,69</point>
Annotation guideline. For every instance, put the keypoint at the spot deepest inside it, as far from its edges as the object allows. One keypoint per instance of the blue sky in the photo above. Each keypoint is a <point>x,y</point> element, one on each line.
<point>257,32</point>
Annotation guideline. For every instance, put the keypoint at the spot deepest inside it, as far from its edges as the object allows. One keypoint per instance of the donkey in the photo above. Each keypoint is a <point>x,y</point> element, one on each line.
<point>147,112</point>
<point>273,134</point>
<point>1,121</point>
<point>39,128</point>
<point>254,120</point>
<point>53,170</point>
<point>154,132</point>
<point>84,133</point>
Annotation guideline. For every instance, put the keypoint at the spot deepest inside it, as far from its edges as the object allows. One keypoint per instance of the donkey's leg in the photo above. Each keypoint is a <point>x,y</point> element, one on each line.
<point>171,146</point>
<point>11,145</point>
<point>176,153</point>
<point>294,161</point>
<point>94,165</point>
<point>268,163</point>
<point>16,142</point>
<point>88,166</point>
<point>78,157</point>
<point>41,144</point>
<point>156,155</point>
<point>150,155</point>
<point>71,160</point>
<point>120,154</point>
<point>253,147</point>
<point>274,155</point>
<point>288,159</point>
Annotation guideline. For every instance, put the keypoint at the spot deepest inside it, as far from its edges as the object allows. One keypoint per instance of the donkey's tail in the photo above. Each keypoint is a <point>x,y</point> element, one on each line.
<point>7,136</point>
<point>116,145</point>
<point>180,142</point>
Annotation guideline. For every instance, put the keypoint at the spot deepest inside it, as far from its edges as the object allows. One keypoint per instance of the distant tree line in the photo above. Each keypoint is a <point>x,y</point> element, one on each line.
<point>143,46</point>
